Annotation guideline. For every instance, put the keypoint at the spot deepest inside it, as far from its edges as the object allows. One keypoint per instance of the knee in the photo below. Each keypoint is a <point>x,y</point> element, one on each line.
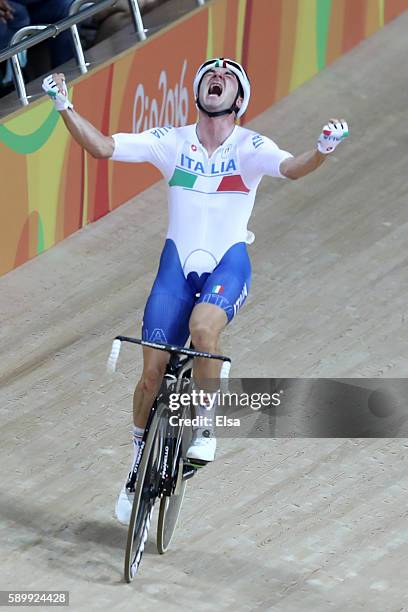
<point>151,378</point>
<point>203,337</point>
<point>21,18</point>
<point>65,5</point>
<point>58,10</point>
<point>4,35</point>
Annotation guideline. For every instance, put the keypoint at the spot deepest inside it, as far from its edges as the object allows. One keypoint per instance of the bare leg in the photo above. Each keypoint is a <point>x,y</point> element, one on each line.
<point>154,366</point>
<point>206,323</point>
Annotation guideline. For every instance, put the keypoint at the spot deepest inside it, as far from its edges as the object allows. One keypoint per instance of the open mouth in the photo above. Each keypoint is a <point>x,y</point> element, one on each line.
<point>215,89</point>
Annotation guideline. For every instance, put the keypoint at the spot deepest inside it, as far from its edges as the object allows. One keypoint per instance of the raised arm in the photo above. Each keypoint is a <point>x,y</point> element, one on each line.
<point>88,136</point>
<point>84,133</point>
<point>332,134</point>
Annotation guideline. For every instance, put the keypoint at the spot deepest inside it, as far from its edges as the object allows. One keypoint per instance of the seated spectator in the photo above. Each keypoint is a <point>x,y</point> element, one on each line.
<point>18,14</point>
<point>116,17</point>
<point>111,20</point>
<point>13,16</point>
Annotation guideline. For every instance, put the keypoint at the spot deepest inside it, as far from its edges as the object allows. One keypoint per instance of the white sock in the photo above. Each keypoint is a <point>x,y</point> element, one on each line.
<point>137,441</point>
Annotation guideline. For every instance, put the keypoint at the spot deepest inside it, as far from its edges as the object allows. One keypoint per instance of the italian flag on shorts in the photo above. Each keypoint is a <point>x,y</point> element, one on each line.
<point>218,289</point>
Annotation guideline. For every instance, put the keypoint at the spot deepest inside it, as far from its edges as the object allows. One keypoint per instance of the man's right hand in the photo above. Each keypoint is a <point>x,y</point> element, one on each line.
<point>84,133</point>
<point>55,87</point>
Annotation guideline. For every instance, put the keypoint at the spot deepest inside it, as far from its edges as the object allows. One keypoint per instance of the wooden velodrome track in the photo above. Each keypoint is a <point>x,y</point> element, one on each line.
<point>278,524</point>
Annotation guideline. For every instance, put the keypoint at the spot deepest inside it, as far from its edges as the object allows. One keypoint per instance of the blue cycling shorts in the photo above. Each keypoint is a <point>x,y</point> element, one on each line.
<point>173,296</point>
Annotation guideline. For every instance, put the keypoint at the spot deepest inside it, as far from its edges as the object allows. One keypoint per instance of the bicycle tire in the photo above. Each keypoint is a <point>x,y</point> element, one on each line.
<point>170,505</point>
<point>169,512</point>
<point>143,503</point>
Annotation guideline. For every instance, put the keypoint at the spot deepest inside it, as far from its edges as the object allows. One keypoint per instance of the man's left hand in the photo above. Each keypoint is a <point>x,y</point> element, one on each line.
<point>332,134</point>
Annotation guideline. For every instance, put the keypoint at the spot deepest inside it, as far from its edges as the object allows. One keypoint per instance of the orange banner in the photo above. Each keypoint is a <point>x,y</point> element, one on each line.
<point>281,43</point>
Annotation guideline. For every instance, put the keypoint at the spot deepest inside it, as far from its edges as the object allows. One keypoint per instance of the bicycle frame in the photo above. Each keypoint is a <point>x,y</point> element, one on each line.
<point>177,370</point>
<point>160,470</point>
<point>180,369</point>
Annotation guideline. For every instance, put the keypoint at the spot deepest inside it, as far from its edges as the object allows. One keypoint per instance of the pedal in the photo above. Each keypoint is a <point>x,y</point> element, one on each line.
<point>197,463</point>
<point>189,469</point>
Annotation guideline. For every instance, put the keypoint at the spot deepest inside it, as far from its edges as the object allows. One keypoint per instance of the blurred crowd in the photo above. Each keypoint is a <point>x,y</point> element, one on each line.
<point>17,14</point>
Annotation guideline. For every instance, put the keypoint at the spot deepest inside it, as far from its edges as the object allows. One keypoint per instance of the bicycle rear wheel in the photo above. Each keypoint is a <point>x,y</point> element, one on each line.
<point>168,516</point>
<point>146,492</point>
<point>169,511</point>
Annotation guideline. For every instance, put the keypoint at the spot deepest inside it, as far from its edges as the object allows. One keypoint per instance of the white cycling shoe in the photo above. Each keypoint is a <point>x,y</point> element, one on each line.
<point>124,503</point>
<point>202,447</point>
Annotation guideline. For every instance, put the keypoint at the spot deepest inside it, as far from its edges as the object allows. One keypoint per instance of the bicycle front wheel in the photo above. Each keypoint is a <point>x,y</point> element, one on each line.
<point>146,492</point>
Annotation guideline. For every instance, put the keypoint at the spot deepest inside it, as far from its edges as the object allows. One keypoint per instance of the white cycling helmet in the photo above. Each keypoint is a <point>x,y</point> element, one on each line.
<point>244,89</point>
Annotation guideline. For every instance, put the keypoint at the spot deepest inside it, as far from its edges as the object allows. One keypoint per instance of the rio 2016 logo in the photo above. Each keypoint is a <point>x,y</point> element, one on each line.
<point>172,108</point>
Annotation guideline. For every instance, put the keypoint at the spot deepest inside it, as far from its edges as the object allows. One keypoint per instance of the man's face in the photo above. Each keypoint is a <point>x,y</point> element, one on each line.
<point>218,90</point>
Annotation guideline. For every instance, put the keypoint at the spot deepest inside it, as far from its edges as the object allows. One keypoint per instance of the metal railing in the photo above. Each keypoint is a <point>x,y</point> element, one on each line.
<point>80,11</point>
<point>75,7</point>
<point>15,61</point>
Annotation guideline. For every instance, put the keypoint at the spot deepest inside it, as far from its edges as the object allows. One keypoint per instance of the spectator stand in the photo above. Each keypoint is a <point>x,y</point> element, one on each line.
<point>80,12</point>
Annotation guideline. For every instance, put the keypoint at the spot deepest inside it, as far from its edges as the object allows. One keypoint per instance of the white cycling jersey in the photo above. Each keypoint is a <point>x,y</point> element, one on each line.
<point>210,198</point>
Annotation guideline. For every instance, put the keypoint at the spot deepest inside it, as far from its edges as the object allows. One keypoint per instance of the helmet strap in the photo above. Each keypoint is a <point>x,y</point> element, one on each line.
<point>227,111</point>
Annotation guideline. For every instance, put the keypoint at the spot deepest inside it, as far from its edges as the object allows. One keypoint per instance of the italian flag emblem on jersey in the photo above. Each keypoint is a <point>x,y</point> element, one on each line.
<point>218,289</point>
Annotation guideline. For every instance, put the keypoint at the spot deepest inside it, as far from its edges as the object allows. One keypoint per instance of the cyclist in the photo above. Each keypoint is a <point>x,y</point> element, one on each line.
<point>213,169</point>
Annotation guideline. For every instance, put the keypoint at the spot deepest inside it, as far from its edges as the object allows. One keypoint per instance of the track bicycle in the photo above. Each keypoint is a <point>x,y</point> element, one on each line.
<point>162,469</point>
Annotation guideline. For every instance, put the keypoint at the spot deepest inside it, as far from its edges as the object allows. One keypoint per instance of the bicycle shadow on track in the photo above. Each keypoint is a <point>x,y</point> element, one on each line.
<point>83,549</point>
